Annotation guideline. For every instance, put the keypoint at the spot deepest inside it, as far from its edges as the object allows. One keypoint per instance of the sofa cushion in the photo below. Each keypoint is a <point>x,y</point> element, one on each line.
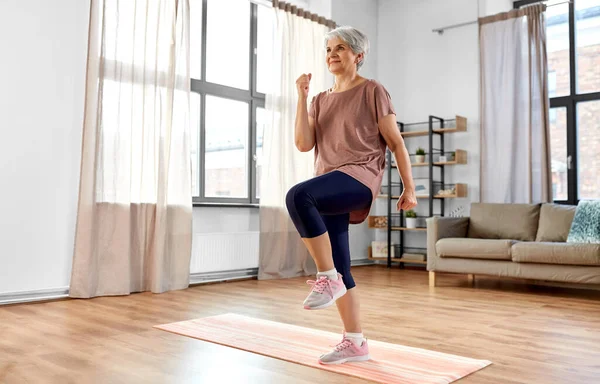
<point>474,248</point>
<point>556,253</point>
<point>585,227</point>
<point>555,222</point>
<point>504,221</point>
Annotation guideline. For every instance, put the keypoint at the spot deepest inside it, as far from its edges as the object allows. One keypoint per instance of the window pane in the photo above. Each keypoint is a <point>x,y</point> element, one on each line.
<point>196,39</point>
<point>261,121</point>
<point>587,36</point>
<point>226,148</point>
<point>195,141</point>
<point>557,31</point>
<point>558,152</point>
<point>588,149</point>
<point>228,43</point>
<point>266,23</point>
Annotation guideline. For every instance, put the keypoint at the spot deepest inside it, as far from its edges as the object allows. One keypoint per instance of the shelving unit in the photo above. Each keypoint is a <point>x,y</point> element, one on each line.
<point>397,259</point>
<point>395,222</point>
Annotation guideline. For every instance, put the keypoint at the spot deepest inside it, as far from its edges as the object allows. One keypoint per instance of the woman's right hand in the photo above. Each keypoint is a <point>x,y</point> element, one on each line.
<point>302,84</point>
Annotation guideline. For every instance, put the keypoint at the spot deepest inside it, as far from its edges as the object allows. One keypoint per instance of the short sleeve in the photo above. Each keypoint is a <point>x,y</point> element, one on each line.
<point>311,108</point>
<point>383,102</point>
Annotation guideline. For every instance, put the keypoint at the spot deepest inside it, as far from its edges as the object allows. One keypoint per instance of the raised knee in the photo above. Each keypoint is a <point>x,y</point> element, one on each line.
<point>289,198</point>
<point>295,198</point>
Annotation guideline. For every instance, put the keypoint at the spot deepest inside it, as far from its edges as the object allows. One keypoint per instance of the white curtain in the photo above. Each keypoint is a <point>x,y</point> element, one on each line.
<point>515,139</point>
<point>298,48</point>
<point>135,212</point>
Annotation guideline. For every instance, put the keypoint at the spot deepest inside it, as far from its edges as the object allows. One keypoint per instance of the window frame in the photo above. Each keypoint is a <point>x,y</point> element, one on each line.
<point>252,97</point>
<point>570,102</point>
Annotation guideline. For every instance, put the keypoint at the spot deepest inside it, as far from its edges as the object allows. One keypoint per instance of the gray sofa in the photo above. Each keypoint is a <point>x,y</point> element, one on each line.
<point>525,241</point>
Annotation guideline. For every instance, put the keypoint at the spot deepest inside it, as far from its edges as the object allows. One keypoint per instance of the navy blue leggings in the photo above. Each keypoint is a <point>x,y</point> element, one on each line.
<point>323,204</point>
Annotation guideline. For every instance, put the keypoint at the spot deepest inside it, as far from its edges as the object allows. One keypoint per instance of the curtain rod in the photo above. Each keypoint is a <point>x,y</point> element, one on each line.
<point>295,10</point>
<point>440,31</point>
<point>267,3</point>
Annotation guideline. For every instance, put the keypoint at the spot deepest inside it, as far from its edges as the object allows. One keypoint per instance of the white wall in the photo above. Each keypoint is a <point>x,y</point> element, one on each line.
<point>42,73</point>
<point>360,14</point>
<point>431,74</point>
<point>491,7</point>
<point>321,7</point>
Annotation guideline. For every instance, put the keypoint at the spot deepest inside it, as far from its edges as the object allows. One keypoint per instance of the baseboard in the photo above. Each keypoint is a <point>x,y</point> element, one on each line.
<point>361,262</point>
<point>222,276</point>
<point>240,274</point>
<point>33,296</point>
<point>195,279</point>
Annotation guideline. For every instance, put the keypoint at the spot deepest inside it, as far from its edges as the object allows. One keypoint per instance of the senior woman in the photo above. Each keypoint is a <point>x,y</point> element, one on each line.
<point>349,127</point>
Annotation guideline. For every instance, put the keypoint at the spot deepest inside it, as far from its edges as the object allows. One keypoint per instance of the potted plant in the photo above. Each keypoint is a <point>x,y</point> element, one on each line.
<point>420,155</point>
<point>411,219</point>
<point>452,156</point>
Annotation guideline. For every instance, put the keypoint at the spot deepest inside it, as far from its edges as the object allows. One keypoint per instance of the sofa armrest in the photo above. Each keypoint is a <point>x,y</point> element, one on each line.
<point>441,228</point>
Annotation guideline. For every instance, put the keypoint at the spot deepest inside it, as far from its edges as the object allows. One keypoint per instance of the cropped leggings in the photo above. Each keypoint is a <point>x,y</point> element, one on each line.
<point>323,204</point>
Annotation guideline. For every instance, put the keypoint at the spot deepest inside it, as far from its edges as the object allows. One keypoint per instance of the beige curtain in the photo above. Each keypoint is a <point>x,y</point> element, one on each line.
<point>282,253</point>
<point>134,216</point>
<point>515,136</point>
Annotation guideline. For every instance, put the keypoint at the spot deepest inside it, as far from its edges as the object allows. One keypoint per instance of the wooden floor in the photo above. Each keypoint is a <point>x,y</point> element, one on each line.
<point>532,334</point>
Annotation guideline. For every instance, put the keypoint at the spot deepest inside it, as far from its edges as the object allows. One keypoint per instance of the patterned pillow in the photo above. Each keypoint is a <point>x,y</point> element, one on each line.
<point>586,223</point>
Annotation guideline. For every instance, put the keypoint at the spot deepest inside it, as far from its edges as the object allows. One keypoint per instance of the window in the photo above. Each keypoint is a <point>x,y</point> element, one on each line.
<point>587,35</point>
<point>226,149</point>
<point>195,134</point>
<point>573,46</point>
<point>588,149</point>
<point>228,43</point>
<point>231,45</point>
<point>261,122</point>
<point>557,47</point>
<point>558,152</point>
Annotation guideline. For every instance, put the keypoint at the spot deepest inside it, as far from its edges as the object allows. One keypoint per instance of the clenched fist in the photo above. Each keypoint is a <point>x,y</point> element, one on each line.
<point>408,200</point>
<point>302,85</point>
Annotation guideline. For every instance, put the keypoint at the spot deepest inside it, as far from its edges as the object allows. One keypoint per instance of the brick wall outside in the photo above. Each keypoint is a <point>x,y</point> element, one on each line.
<point>588,122</point>
<point>226,182</point>
<point>229,182</point>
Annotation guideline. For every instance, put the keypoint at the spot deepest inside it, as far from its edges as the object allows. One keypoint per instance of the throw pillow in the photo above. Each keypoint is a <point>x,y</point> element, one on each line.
<point>555,222</point>
<point>586,223</point>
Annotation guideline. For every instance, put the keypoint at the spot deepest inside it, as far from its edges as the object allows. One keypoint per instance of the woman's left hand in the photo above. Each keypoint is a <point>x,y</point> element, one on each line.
<point>408,200</point>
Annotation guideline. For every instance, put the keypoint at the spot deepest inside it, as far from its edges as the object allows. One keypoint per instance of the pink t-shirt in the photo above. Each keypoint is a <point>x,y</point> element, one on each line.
<point>347,135</point>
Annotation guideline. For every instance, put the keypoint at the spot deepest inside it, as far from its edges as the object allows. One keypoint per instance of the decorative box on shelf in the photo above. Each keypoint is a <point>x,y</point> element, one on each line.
<point>380,248</point>
<point>378,221</point>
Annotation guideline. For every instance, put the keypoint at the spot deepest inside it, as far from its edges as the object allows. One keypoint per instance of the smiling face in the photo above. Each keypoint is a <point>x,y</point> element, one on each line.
<point>340,57</point>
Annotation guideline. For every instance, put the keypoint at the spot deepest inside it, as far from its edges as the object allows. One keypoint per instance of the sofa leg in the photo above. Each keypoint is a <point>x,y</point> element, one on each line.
<point>471,278</point>
<point>431,279</point>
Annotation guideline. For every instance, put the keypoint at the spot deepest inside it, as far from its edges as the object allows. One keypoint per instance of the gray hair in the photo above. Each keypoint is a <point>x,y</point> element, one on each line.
<point>358,41</point>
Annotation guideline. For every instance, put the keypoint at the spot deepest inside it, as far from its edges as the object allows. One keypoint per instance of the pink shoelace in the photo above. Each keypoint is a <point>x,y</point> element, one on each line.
<point>320,284</point>
<point>343,345</point>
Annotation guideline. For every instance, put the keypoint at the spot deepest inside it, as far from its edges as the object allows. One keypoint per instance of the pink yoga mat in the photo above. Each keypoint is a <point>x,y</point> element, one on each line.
<point>390,363</point>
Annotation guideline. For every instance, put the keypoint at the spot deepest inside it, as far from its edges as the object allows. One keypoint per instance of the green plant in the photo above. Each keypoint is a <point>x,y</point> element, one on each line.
<point>411,214</point>
<point>420,151</point>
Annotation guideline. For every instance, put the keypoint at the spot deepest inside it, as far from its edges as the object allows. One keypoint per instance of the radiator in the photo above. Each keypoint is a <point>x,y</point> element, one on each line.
<point>213,252</point>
